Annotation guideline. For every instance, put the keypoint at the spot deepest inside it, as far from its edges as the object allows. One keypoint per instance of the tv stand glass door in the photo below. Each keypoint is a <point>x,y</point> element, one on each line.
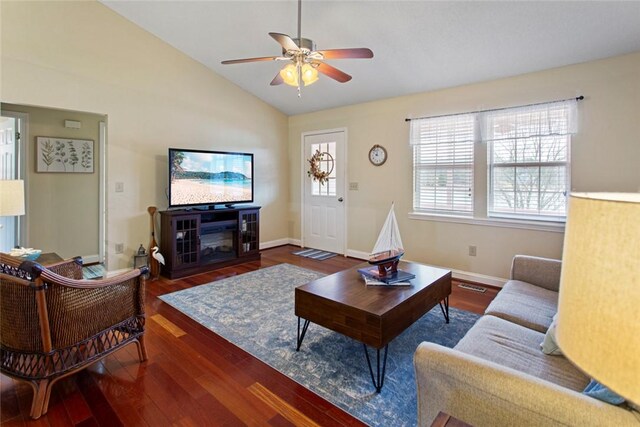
<point>186,240</point>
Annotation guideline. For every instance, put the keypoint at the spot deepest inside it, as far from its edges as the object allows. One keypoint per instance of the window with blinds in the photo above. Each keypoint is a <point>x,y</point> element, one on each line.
<point>443,164</point>
<point>528,160</point>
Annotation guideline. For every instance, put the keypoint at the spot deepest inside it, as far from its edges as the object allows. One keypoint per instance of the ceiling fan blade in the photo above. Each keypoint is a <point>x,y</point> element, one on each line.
<point>262,58</point>
<point>277,80</point>
<point>285,41</point>
<point>332,72</point>
<point>359,52</point>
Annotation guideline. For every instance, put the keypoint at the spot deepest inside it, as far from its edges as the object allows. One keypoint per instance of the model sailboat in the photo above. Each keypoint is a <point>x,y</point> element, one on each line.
<point>388,248</point>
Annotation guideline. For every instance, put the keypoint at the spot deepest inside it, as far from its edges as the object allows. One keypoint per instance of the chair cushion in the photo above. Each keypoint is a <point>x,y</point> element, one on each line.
<point>525,304</point>
<point>517,347</point>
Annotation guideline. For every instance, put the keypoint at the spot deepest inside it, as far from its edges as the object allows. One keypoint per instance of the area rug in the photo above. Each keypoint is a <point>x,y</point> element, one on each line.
<point>316,254</point>
<point>255,311</point>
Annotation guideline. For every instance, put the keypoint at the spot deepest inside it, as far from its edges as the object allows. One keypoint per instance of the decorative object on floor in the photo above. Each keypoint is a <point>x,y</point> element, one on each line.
<point>388,249</point>
<point>305,60</point>
<point>256,312</point>
<point>316,254</point>
<point>316,171</point>
<point>141,258</point>
<point>54,325</point>
<point>157,255</point>
<point>154,266</point>
<point>64,155</point>
<point>598,306</point>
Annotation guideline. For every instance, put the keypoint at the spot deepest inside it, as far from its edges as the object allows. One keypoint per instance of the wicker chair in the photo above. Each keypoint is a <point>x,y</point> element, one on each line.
<point>54,324</point>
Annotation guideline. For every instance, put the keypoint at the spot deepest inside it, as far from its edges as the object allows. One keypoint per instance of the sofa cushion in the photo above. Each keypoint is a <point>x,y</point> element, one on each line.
<point>600,392</point>
<point>517,347</point>
<point>525,304</point>
<point>549,345</point>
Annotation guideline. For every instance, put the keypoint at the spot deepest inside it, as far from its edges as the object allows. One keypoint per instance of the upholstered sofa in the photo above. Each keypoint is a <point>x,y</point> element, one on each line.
<point>497,374</point>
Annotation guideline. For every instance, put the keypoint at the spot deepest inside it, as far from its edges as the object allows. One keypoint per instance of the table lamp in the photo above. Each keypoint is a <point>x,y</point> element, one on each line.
<point>11,197</point>
<point>599,301</point>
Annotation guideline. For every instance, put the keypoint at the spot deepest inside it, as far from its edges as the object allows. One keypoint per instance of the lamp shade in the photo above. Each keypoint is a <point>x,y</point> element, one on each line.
<point>11,197</point>
<point>309,74</point>
<point>599,302</point>
<point>289,74</point>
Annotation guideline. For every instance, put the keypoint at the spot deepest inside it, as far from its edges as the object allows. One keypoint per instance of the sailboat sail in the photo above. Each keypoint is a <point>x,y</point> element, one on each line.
<point>389,241</point>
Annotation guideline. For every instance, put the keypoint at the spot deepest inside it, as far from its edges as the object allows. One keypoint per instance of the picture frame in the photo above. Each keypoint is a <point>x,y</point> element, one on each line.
<point>64,155</point>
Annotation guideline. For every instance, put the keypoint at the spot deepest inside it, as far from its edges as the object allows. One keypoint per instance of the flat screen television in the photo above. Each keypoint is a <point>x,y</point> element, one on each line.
<point>209,178</point>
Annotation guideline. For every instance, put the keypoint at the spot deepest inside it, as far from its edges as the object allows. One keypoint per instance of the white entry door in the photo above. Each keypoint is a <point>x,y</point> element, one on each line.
<point>324,204</point>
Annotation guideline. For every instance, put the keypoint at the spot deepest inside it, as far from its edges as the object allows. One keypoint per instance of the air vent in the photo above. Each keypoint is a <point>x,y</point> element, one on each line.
<point>472,287</point>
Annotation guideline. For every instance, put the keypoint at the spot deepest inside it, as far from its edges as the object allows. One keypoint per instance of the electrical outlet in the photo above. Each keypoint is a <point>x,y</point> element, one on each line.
<point>353,186</point>
<point>119,248</point>
<point>472,250</point>
<point>119,187</point>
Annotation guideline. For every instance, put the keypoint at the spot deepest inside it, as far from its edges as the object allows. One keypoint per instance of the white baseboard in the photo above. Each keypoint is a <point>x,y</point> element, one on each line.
<point>358,254</point>
<point>498,282</point>
<point>456,274</point>
<point>482,279</point>
<point>296,242</point>
<point>275,243</point>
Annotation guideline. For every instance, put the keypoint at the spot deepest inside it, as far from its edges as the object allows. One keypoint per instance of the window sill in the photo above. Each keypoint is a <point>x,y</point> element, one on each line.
<point>556,227</point>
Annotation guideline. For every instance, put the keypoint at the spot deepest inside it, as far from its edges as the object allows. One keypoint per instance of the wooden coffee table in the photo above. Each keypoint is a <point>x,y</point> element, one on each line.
<point>373,315</point>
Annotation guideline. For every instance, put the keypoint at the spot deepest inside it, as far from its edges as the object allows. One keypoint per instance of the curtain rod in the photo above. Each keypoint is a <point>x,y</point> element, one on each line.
<point>578,98</point>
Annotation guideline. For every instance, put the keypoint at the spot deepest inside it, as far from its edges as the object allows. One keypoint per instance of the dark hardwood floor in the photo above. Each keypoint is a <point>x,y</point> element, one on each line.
<point>193,377</point>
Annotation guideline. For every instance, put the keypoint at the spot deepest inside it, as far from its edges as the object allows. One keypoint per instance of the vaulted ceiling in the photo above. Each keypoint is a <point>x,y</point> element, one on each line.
<point>418,45</point>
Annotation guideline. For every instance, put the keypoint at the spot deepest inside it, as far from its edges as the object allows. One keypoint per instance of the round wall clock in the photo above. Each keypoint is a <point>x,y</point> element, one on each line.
<point>377,155</point>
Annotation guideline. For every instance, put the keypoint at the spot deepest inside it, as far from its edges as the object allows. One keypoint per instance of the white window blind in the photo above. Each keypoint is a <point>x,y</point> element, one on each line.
<point>528,159</point>
<point>443,164</point>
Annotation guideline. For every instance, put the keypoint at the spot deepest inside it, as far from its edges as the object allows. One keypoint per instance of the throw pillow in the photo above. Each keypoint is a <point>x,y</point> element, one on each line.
<point>600,392</point>
<point>549,345</point>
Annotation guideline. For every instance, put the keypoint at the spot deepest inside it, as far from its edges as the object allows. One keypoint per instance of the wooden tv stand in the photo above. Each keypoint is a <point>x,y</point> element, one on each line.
<point>196,241</point>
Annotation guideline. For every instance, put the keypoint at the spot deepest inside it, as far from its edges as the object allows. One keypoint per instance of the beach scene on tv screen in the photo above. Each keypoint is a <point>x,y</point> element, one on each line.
<point>209,178</point>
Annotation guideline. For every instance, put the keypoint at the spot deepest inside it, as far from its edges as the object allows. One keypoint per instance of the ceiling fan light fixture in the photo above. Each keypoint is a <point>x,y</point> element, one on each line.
<point>306,61</point>
<point>289,75</point>
<point>309,74</point>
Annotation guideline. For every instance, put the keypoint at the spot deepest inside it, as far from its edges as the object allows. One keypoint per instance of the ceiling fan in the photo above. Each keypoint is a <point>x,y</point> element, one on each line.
<point>304,60</point>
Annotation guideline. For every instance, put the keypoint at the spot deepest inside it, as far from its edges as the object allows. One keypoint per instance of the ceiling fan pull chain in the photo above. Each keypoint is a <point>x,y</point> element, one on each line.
<point>299,70</point>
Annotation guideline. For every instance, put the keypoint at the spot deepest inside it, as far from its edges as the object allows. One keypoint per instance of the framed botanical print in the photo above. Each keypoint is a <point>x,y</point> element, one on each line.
<point>64,155</point>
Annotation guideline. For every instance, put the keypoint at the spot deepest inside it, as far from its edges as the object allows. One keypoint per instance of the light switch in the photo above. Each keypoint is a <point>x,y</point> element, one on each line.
<point>119,187</point>
<point>353,186</point>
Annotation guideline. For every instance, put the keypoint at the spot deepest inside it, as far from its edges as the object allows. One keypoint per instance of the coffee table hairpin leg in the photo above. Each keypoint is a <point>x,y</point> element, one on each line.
<point>378,380</point>
<point>445,309</point>
<point>304,331</point>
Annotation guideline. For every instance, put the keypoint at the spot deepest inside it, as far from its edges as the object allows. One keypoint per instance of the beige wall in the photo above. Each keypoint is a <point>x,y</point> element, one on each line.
<point>82,56</point>
<point>61,206</point>
<point>155,97</point>
<point>605,155</point>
